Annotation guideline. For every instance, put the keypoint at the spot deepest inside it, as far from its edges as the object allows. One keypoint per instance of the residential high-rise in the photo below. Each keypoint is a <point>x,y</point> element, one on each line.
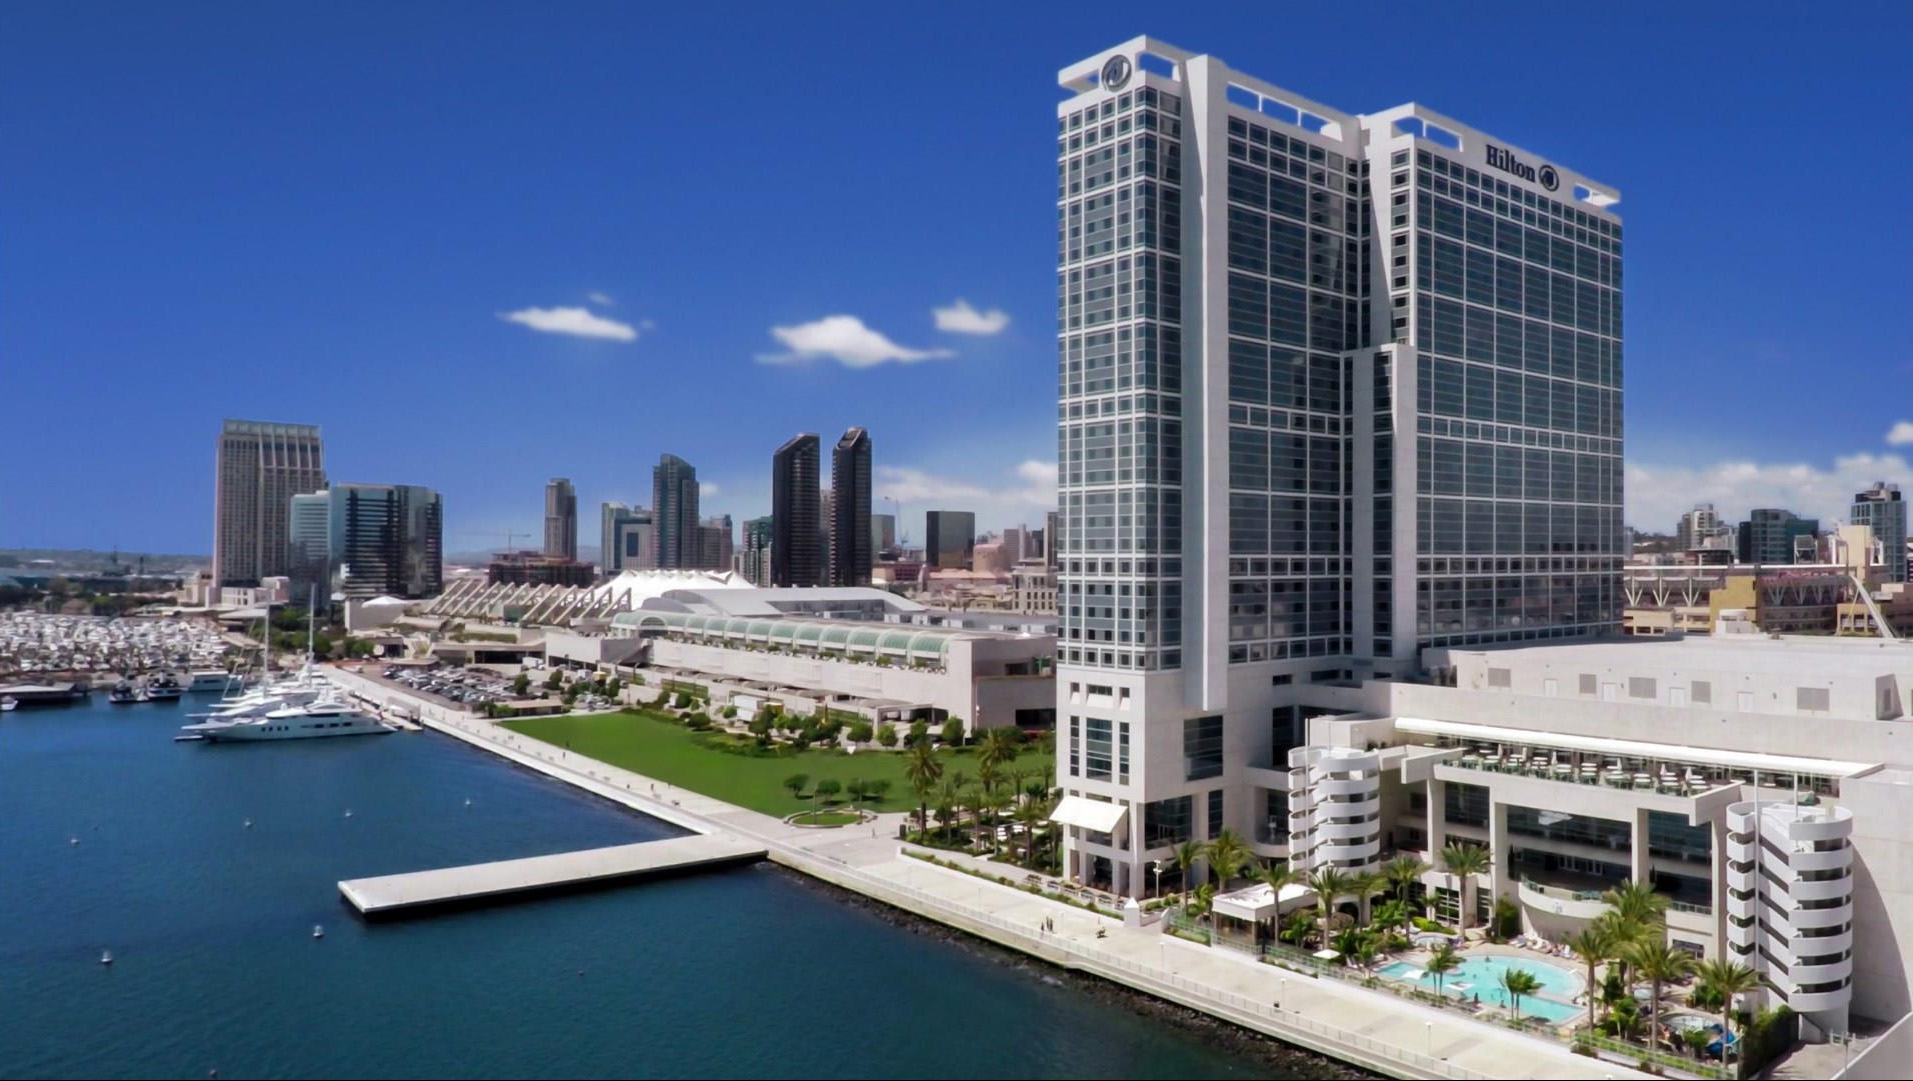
<point>796,518</point>
<point>627,539</point>
<point>1700,529</point>
<point>949,539</point>
<point>309,547</point>
<point>260,467</point>
<point>1052,537</point>
<point>756,566</point>
<point>561,519</point>
<point>1334,388</point>
<point>387,540</point>
<point>1881,508</point>
<point>1768,535</point>
<point>674,497</point>
<point>850,548</point>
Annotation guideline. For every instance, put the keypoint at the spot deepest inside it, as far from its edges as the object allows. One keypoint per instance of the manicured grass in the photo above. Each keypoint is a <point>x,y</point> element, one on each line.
<point>659,747</point>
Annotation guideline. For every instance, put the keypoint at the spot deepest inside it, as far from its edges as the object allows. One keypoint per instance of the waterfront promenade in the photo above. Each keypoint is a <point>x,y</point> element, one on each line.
<point>1375,1030</point>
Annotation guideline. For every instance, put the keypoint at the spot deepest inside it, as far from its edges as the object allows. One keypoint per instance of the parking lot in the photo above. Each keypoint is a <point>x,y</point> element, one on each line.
<point>468,688</point>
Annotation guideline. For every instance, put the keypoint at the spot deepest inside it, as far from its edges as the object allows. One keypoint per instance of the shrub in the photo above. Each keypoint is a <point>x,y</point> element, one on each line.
<point>919,732</point>
<point>681,700</point>
<point>730,713</point>
<point>555,680</point>
<point>887,735</point>
<point>698,722</point>
<point>860,732</point>
<point>952,732</point>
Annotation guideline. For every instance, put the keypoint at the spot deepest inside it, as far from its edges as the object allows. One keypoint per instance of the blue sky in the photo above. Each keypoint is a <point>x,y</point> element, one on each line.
<point>323,214</point>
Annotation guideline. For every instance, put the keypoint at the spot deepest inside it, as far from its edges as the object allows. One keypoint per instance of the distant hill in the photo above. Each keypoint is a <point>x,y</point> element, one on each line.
<point>91,561</point>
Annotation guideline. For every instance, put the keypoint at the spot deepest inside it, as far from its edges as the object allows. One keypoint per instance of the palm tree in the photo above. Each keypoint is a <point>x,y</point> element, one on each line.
<point>1726,977</point>
<point>1349,942</point>
<point>1465,861</point>
<point>1188,854</point>
<point>1593,944</point>
<point>988,774</point>
<point>1440,963</point>
<point>974,799</point>
<point>1659,963</point>
<point>1637,915</point>
<point>1518,982</point>
<point>923,770</point>
<point>1330,885</point>
<point>1296,928</point>
<point>1388,915</point>
<point>946,813</point>
<point>1365,887</point>
<point>1636,903</point>
<point>998,749</point>
<point>1402,873</point>
<point>1227,855</point>
<point>1030,816</point>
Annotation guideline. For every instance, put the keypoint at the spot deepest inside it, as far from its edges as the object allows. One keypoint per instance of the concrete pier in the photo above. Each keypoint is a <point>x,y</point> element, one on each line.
<point>392,894</point>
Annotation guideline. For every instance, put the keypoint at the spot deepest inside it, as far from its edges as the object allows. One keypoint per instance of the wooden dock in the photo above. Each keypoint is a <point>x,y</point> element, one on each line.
<point>478,882</point>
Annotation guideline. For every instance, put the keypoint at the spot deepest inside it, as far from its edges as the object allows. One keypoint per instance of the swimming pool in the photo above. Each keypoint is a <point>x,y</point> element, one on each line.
<point>1481,976</point>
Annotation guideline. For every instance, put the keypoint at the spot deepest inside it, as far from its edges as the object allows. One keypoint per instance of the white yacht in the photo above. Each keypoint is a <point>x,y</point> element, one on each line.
<point>325,717</point>
<point>163,687</point>
<point>270,695</point>
<point>211,679</point>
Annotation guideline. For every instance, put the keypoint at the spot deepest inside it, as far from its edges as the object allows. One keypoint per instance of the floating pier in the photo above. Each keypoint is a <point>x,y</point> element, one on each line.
<point>481,882</point>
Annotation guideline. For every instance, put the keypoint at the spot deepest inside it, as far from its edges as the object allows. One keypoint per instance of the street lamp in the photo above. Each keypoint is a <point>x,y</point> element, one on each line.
<point>1156,866</point>
<point>1430,1027</point>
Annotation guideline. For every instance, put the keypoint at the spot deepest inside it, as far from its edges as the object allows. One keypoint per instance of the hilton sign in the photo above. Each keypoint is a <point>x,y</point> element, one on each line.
<point>1504,160</point>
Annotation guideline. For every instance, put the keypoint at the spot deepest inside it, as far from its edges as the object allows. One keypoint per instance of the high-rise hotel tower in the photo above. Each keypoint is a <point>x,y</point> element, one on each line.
<point>1334,388</point>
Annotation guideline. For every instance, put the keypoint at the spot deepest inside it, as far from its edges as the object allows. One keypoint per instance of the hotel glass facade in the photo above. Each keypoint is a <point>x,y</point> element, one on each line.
<point>1332,389</point>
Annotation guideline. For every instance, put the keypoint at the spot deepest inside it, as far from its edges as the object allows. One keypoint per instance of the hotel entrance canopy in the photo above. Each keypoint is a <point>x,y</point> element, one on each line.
<point>1093,815</point>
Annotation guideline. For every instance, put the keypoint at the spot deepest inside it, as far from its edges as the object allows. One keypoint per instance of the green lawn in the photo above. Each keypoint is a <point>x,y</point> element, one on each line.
<point>666,749</point>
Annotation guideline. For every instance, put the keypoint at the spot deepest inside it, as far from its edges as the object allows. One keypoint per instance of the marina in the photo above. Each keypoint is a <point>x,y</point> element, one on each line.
<point>392,894</point>
<point>233,878</point>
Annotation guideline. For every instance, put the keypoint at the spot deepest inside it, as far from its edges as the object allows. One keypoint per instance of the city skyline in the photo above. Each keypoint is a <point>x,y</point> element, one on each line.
<point>967,330</point>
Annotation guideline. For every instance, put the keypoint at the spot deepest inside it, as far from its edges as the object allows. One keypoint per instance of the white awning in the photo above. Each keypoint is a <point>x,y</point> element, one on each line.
<point>1259,902</point>
<point>1090,814</point>
<point>1633,748</point>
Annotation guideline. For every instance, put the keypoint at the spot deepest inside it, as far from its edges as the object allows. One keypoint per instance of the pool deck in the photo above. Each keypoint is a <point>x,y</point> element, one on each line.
<point>1375,1030</point>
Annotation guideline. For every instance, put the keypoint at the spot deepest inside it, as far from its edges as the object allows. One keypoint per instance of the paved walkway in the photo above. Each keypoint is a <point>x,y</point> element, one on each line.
<point>1374,1029</point>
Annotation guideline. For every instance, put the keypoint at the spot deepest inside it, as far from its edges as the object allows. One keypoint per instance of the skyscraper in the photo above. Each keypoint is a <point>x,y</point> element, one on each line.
<point>757,551</point>
<point>796,521</point>
<point>1768,534</point>
<point>309,548</point>
<point>883,532</point>
<point>949,538</point>
<point>716,545</point>
<point>1334,388</point>
<point>387,540</point>
<point>561,519</point>
<point>1701,528</point>
<point>674,512</point>
<point>627,539</point>
<point>260,467</point>
<point>1881,508</point>
<point>850,550</point>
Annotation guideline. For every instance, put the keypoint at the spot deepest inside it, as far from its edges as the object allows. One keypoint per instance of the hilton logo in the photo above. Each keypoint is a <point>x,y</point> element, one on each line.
<point>1504,160</point>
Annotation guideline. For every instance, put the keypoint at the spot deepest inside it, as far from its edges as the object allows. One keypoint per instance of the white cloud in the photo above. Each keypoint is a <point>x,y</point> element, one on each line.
<point>1026,491</point>
<point>960,318</point>
<point>707,488</point>
<point>574,321</point>
<point>1657,495</point>
<point>1900,434</point>
<point>845,339</point>
<point>601,300</point>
